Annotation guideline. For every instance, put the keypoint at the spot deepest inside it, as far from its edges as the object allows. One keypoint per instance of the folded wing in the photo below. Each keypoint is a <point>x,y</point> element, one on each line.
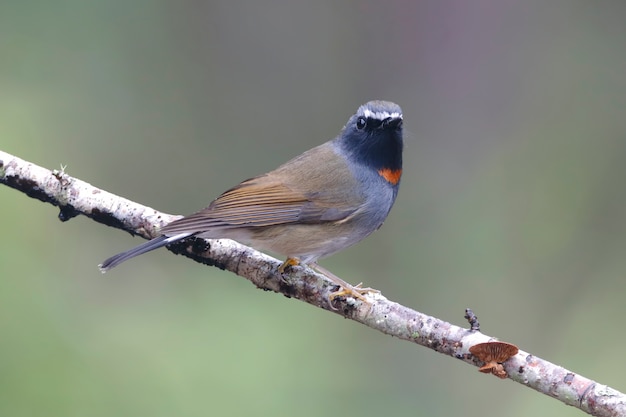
<point>257,202</point>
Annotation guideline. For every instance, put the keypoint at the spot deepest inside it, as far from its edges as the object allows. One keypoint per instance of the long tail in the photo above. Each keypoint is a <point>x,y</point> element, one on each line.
<point>148,246</point>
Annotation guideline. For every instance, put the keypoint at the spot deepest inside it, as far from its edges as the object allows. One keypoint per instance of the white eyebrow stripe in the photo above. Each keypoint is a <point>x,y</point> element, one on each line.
<point>381,115</point>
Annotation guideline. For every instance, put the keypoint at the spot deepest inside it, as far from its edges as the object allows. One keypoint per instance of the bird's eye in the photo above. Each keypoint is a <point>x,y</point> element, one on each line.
<point>361,123</point>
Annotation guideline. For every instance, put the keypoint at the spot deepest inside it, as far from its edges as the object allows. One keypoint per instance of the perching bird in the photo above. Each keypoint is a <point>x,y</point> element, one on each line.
<point>320,202</point>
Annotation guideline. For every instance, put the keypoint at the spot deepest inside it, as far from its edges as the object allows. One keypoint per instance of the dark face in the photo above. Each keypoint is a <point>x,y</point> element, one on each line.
<point>373,136</point>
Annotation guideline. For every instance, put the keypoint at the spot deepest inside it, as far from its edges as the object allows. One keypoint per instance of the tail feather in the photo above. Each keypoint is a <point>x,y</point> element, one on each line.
<point>148,246</point>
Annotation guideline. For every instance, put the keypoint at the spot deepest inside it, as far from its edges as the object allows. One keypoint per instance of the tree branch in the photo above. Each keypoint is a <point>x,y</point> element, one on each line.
<point>74,197</point>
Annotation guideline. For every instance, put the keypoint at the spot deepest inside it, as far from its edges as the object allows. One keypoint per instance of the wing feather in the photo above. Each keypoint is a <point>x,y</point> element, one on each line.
<point>257,202</point>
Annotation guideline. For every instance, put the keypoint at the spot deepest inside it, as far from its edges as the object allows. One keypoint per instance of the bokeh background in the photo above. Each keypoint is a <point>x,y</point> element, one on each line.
<point>512,201</point>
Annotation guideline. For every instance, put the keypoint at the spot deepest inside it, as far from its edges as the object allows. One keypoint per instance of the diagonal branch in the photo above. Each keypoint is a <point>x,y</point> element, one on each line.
<point>74,197</point>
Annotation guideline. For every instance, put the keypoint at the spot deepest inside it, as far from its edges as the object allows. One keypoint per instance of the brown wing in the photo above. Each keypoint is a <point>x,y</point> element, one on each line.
<point>260,201</point>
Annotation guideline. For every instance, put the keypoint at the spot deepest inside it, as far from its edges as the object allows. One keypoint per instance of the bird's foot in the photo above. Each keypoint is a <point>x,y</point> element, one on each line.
<point>345,289</point>
<point>288,262</point>
<point>354,291</point>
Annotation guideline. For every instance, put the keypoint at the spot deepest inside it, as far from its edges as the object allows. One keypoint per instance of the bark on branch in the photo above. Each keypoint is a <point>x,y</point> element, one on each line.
<point>74,197</point>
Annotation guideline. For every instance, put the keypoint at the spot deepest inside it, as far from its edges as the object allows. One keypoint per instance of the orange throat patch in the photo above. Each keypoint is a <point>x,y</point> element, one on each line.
<point>392,176</point>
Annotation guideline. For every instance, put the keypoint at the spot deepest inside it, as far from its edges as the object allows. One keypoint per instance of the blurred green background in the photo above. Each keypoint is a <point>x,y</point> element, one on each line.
<point>512,201</point>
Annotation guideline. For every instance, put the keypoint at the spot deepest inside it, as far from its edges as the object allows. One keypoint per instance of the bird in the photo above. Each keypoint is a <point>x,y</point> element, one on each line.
<point>313,206</point>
